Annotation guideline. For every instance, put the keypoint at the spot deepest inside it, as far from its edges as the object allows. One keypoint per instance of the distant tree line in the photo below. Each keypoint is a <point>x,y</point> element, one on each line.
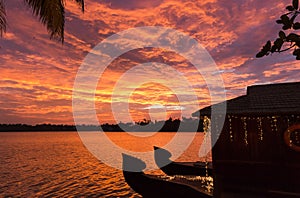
<point>170,125</point>
<point>38,127</point>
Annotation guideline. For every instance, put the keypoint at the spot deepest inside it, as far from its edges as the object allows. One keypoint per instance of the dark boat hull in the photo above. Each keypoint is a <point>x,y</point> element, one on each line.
<point>154,187</point>
<point>150,187</point>
<point>180,168</point>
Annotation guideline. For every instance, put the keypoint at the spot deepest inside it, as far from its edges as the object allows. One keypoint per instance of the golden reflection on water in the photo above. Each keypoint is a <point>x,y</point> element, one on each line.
<point>144,144</point>
<point>205,183</point>
<point>56,164</point>
<point>140,144</point>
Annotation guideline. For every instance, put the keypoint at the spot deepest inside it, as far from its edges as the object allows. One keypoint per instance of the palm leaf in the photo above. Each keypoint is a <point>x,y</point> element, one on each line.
<point>81,3</point>
<point>3,21</point>
<point>51,14</point>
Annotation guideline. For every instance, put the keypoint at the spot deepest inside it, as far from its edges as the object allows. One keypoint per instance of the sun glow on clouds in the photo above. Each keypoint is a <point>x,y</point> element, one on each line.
<point>154,100</point>
<point>158,106</point>
<point>37,74</point>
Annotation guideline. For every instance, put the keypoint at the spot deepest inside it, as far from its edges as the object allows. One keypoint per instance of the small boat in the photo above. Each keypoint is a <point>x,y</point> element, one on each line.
<point>162,160</point>
<point>150,186</point>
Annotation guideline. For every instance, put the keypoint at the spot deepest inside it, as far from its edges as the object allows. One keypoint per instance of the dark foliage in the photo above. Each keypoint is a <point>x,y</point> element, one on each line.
<point>290,41</point>
<point>51,13</point>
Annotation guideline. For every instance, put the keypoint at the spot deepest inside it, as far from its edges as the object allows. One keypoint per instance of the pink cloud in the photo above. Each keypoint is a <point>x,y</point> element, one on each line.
<point>37,74</point>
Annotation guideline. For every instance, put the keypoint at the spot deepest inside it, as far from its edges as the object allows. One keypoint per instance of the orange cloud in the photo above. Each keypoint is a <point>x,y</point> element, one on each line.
<point>37,74</point>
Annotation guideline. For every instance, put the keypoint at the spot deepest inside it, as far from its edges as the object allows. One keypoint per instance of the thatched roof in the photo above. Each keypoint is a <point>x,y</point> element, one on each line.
<point>269,99</point>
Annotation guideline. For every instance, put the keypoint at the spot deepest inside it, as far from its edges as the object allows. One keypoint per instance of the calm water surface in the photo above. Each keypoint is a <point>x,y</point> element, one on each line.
<point>56,164</point>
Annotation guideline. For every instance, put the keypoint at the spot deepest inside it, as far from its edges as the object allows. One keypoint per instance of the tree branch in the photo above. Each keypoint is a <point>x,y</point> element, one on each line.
<point>287,48</point>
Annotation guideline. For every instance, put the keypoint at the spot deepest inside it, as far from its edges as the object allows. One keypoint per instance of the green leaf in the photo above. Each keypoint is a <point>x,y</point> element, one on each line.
<point>292,37</point>
<point>286,27</point>
<point>267,47</point>
<point>278,43</point>
<point>296,4</point>
<point>260,54</point>
<point>265,50</point>
<point>284,18</point>
<point>293,18</point>
<point>282,35</point>
<point>290,8</point>
<point>273,48</point>
<point>296,26</point>
<point>296,52</point>
<point>287,24</point>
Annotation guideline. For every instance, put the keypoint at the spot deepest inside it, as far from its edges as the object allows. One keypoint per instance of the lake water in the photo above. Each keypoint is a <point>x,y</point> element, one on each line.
<point>56,164</point>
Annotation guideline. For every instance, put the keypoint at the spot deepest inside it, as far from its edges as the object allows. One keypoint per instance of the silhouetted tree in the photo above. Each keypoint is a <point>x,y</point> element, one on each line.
<point>143,122</point>
<point>51,13</point>
<point>288,22</point>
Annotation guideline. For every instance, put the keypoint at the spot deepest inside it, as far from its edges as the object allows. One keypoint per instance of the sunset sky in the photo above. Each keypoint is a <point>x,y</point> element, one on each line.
<point>37,74</point>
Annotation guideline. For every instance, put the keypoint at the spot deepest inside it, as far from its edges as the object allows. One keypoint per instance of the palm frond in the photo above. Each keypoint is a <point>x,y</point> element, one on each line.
<point>81,3</point>
<point>3,21</point>
<point>51,14</point>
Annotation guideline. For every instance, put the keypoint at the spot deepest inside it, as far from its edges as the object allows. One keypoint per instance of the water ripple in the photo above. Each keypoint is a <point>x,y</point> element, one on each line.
<point>55,165</point>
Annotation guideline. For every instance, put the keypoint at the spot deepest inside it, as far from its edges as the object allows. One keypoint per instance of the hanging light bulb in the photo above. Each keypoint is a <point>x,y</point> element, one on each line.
<point>244,119</point>
<point>260,130</point>
<point>230,129</point>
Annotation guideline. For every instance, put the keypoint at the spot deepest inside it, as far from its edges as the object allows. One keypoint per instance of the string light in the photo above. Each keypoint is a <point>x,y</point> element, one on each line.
<point>244,119</point>
<point>207,130</point>
<point>275,123</point>
<point>259,121</point>
<point>217,127</point>
<point>288,130</point>
<point>230,129</point>
<point>206,124</point>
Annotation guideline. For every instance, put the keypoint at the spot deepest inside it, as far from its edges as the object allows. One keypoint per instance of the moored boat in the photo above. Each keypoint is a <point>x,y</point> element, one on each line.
<point>154,186</point>
<point>162,160</point>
